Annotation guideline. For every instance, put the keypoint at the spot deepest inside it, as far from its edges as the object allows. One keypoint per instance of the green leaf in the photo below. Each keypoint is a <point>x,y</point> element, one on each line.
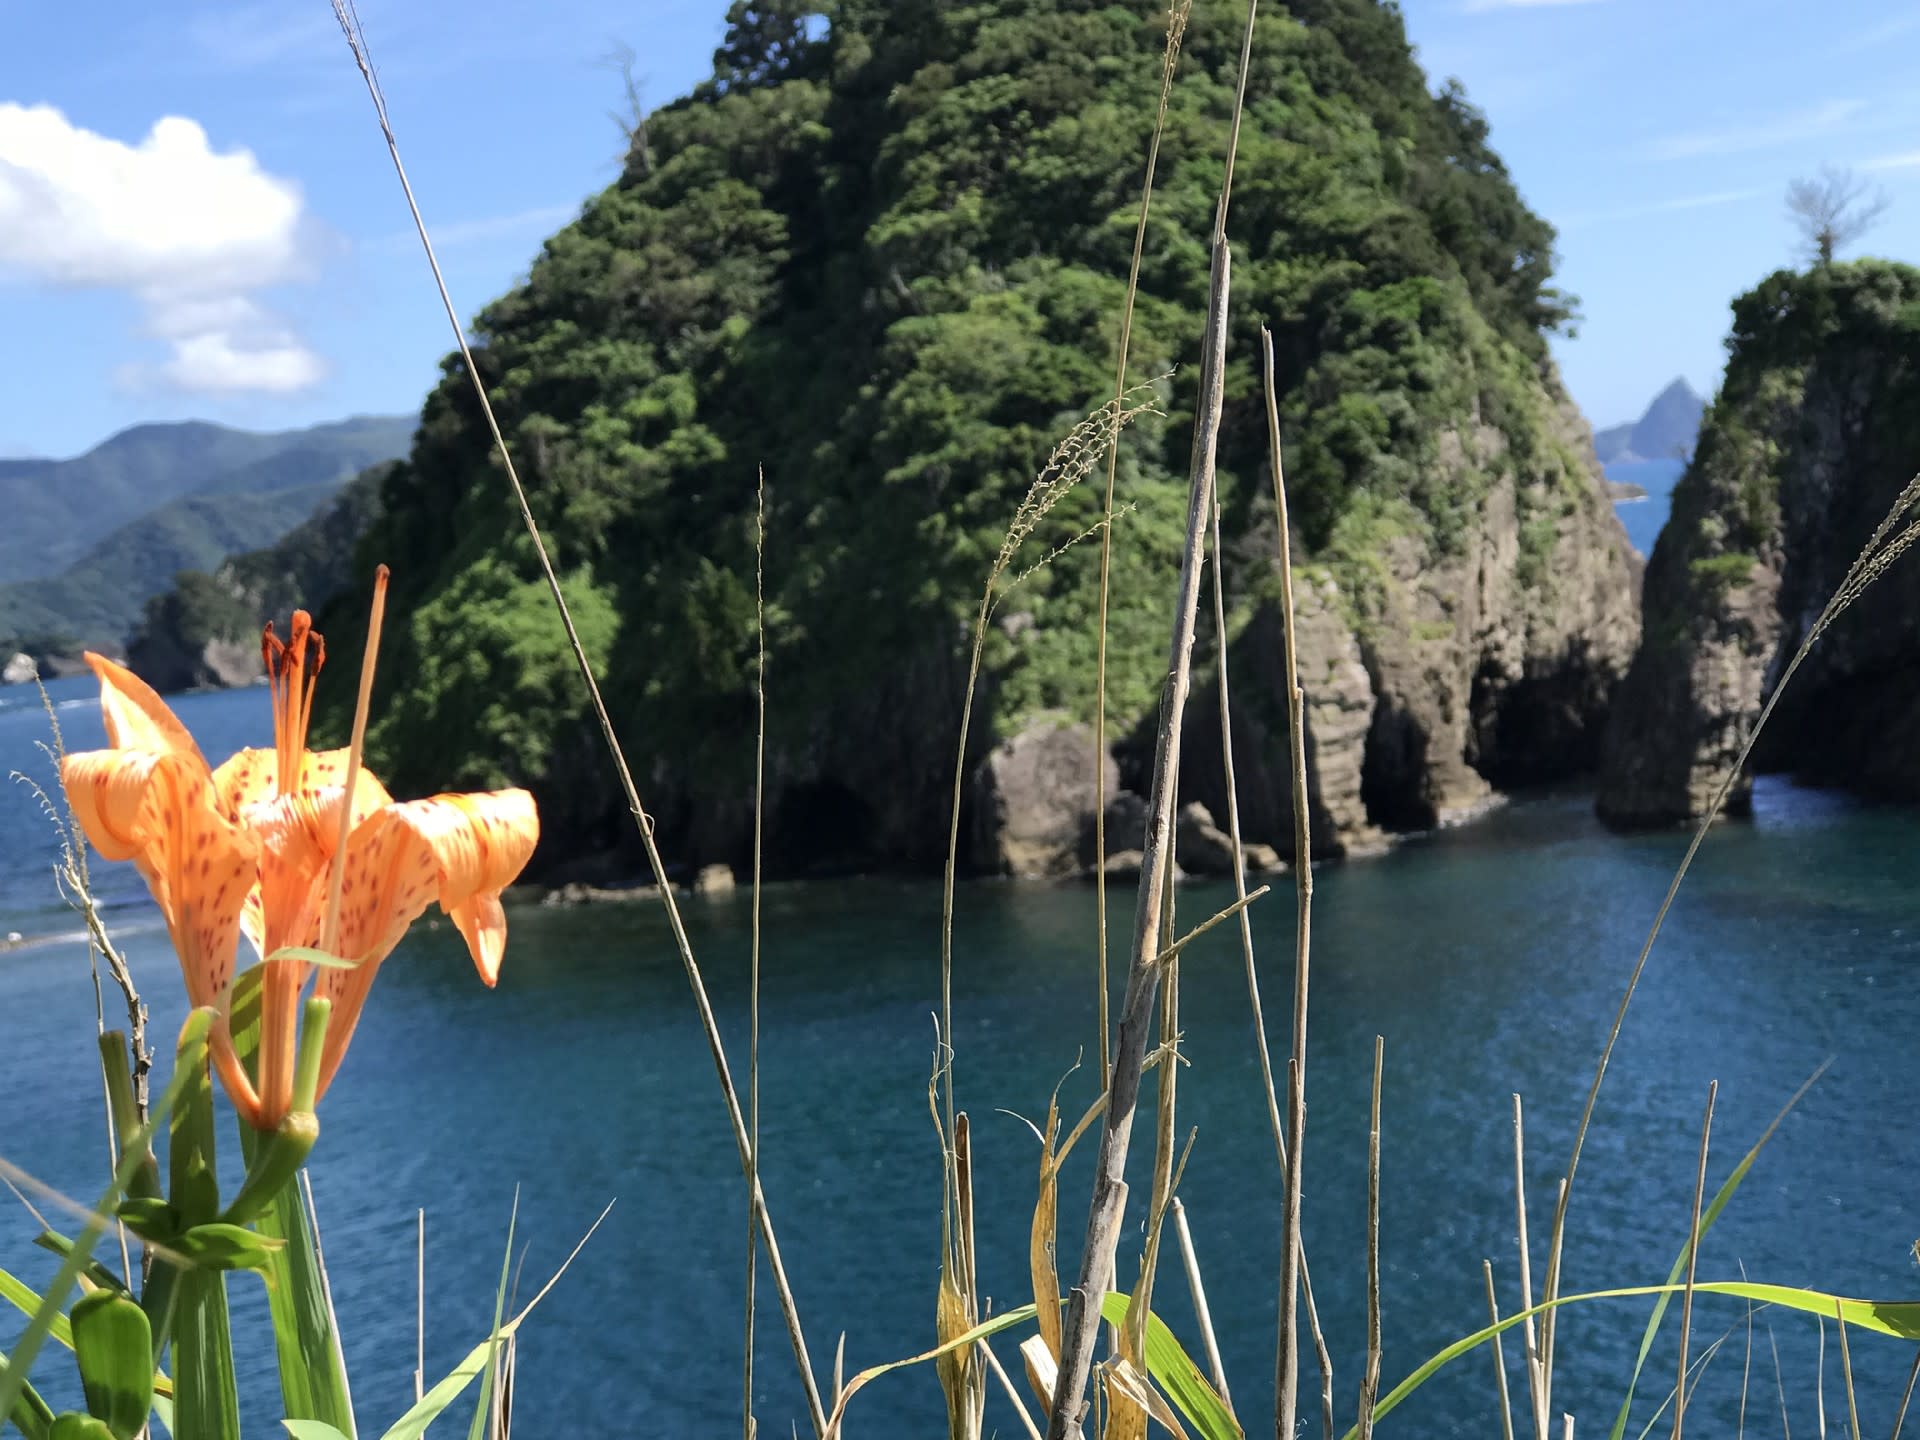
<point>312,956</point>
<point>219,1246</point>
<point>151,1218</point>
<point>114,1347</point>
<point>74,1426</point>
<point>312,1430</point>
<point>26,1301</point>
<point>1174,1371</point>
<point>1707,1217</point>
<point>1899,1318</point>
<point>193,1047</point>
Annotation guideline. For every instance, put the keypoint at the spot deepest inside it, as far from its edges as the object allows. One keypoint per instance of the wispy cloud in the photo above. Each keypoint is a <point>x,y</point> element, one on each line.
<point>1706,200</point>
<point>1478,7</point>
<point>1826,118</point>
<point>1906,160</point>
<point>259,35</point>
<point>520,225</point>
<point>1874,36</point>
<point>191,233</point>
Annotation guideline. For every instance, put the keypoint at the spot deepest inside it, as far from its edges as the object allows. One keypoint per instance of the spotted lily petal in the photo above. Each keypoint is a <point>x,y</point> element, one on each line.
<point>461,850</point>
<point>136,717</point>
<point>159,811</point>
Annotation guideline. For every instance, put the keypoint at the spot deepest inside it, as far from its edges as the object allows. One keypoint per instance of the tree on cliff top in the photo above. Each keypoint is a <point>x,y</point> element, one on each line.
<point>1832,210</point>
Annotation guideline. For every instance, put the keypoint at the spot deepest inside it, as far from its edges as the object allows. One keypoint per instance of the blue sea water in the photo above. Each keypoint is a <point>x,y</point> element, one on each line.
<point>1645,517</point>
<point>1491,959</point>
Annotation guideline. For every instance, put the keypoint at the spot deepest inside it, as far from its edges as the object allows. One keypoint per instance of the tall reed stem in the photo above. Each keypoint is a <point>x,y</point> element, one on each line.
<point>1176,28</point>
<point>1143,974</point>
<point>356,41</point>
<point>1292,1263</point>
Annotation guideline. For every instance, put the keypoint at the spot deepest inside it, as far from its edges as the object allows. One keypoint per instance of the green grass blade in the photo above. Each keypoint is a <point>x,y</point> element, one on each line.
<point>413,1424</point>
<point>1175,1373</point>
<point>31,1415</point>
<point>1898,1318</point>
<point>13,1378</point>
<point>17,1293</point>
<point>478,1429</point>
<point>312,1430</point>
<point>1711,1214</point>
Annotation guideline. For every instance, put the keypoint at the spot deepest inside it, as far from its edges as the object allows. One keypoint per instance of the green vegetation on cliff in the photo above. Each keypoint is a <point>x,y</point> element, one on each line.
<point>881,253</point>
<point>1815,432</point>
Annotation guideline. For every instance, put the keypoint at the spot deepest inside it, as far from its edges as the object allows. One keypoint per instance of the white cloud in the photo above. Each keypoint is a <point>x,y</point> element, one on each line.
<point>521,225</point>
<point>1822,119</point>
<point>1706,200</point>
<point>190,232</point>
<point>1476,7</point>
<point>1908,160</point>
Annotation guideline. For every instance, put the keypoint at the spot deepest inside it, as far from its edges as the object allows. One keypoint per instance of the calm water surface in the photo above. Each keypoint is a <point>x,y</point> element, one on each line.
<point>1491,959</point>
<point>1645,517</point>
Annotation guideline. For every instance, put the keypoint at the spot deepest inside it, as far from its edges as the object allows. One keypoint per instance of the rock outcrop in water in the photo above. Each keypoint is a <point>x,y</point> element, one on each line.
<point>1815,432</point>
<point>884,261</point>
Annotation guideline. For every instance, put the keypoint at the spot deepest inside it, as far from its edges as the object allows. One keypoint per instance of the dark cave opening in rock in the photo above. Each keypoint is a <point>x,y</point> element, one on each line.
<point>821,827</point>
<point>1393,775</point>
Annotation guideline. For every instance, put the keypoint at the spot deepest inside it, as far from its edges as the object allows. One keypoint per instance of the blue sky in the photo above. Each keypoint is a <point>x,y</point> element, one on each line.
<point>197,217</point>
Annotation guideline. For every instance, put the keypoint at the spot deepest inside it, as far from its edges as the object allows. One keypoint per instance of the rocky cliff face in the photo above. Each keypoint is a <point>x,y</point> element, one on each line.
<point>1465,668</point>
<point>1814,435</point>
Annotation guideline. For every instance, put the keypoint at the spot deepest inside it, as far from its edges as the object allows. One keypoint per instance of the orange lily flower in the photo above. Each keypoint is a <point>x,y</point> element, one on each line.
<point>251,849</point>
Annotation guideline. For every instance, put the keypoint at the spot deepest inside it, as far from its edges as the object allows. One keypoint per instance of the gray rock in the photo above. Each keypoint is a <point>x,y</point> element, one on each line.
<point>1033,800</point>
<point>1203,848</point>
<point>1262,859</point>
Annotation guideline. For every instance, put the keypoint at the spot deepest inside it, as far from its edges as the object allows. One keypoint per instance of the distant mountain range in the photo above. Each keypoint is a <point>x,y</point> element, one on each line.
<point>1666,432</point>
<point>90,539</point>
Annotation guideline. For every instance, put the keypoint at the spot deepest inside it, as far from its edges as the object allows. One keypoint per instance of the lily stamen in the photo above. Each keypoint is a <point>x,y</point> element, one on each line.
<point>336,880</point>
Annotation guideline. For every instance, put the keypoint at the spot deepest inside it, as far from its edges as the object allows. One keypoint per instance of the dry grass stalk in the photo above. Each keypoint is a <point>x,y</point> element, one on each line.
<point>420,1307</point>
<point>963,1379</point>
<point>1202,1315</point>
<point>72,882</point>
<point>1906,1398</point>
<point>1042,1352</point>
<point>1499,1355</point>
<point>1143,976</point>
<point>1292,1260</point>
<point>1177,13</point>
<point>1263,1050</point>
<point>1693,1256</point>
<point>1846,1371</point>
<point>1370,1378</point>
<point>1883,547</point>
<point>1779,1378</point>
<point>349,21</point>
<point>1535,1388</point>
<point>747,1423</point>
<point>1013,1394</point>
